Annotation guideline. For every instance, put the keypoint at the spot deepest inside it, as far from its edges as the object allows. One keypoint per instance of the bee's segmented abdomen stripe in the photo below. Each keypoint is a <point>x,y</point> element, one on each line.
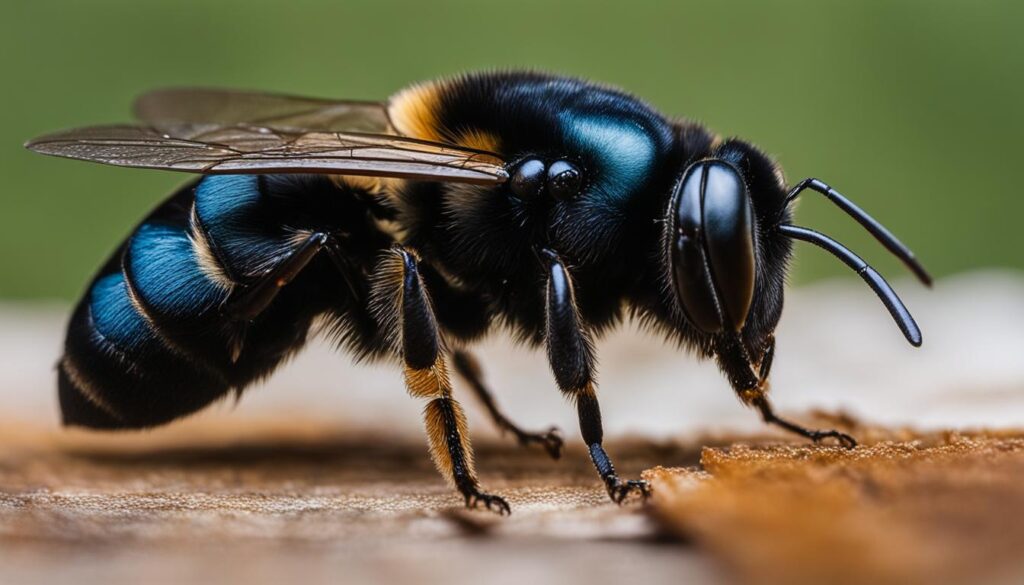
<point>118,373</point>
<point>75,388</point>
<point>208,253</point>
<point>149,342</point>
<point>243,232</point>
<point>176,293</point>
<point>147,312</point>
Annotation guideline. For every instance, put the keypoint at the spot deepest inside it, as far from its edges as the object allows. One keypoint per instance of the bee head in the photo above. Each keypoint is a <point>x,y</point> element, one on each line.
<point>728,239</point>
<point>723,263</point>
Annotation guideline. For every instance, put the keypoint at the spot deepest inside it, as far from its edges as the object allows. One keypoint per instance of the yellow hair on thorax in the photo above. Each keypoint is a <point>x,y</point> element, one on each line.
<point>414,112</point>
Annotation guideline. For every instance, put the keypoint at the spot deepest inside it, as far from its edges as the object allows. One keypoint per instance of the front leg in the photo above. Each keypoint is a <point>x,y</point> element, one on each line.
<point>571,355</point>
<point>752,389</point>
<point>402,303</point>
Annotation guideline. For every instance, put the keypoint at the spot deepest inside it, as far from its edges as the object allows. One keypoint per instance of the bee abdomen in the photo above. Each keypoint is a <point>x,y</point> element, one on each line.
<point>150,342</point>
<point>117,372</point>
<point>147,343</point>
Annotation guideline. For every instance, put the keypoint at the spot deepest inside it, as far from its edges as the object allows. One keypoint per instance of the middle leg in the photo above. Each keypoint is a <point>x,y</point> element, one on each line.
<point>403,306</point>
<point>468,367</point>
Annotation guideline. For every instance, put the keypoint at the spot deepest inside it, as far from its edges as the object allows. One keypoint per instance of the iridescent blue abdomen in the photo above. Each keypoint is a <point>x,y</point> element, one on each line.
<point>149,342</point>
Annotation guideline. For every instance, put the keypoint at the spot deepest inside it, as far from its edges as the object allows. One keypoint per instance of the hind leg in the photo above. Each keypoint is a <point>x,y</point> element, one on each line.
<point>247,302</point>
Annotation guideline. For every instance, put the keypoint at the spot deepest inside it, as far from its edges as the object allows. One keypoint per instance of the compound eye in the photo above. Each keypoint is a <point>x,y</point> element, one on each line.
<point>528,179</point>
<point>713,255</point>
<point>564,180</point>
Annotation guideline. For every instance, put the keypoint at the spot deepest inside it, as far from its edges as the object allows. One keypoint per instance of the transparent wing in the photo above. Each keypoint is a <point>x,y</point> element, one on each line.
<point>195,105</point>
<point>217,149</point>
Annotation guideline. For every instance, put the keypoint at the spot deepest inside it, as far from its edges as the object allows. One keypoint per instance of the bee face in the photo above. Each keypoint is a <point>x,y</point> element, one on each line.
<point>724,262</point>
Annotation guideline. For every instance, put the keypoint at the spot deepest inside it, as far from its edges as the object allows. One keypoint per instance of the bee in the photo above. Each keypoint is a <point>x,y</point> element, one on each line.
<point>550,207</point>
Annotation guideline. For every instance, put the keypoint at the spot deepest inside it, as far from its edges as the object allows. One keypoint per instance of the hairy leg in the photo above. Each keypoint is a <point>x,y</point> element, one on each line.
<point>402,303</point>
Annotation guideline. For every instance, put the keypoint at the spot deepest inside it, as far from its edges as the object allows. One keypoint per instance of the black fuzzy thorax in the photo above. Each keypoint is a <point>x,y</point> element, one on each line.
<point>486,240</point>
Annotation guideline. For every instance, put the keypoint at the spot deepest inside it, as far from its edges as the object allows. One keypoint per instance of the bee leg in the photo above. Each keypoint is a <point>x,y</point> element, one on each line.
<point>752,390</point>
<point>767,358</point>
<point>426,376</point>
<point>769,416</point>
<point>468,367</point>
<point>570,353</point>
<point>246,303</point>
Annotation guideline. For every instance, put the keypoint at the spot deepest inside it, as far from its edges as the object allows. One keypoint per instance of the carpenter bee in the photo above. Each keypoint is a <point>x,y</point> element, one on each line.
<point>550,207</point>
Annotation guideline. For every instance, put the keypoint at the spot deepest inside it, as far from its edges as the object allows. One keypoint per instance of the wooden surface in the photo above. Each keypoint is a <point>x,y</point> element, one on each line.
<point>271,503</point>
<point>322,474</point>
<point>903,509</point>
<point>279,502</point>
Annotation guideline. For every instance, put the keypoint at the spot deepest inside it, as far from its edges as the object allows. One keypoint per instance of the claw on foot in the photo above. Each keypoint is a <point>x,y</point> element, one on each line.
<point>551,441</point>
<point>769,417</point>
<point>619,490</point>
<point>844,440</point>
<point>496,504</point>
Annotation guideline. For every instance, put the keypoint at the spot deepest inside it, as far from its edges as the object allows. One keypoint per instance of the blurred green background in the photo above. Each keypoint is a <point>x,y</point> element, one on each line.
<point>911,108</point>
